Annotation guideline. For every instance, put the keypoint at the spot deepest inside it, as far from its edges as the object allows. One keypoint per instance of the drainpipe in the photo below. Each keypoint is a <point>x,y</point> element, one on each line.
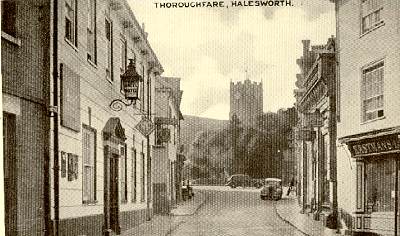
<point>56,166</point>
<point>148,213</point>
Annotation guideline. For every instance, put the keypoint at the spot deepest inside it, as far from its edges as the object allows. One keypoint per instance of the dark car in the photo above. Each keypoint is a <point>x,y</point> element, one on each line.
<point>241,180</point>
<point>272,189</point>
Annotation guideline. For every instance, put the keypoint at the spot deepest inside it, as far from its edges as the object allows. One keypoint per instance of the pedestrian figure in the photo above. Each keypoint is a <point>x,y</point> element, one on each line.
<point>290,186</point>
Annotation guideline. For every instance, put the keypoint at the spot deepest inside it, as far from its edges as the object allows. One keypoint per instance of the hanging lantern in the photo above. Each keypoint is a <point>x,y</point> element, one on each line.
<point>130,82</point>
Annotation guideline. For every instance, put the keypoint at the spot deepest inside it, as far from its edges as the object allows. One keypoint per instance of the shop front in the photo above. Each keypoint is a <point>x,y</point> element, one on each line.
<point>377,181</point>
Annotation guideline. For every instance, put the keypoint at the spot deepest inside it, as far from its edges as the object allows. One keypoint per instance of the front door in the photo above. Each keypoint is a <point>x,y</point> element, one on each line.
<point>114,207</point>
<point>10,175</point>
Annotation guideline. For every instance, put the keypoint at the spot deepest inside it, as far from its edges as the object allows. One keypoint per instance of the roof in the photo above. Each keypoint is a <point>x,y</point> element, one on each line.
<point>143,35</point>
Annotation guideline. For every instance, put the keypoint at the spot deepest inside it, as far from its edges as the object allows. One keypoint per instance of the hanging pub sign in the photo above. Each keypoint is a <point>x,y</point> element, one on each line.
<point>380,145</point>
<point>164,135</point>
<point>145,126</point>
<point>313,119</point>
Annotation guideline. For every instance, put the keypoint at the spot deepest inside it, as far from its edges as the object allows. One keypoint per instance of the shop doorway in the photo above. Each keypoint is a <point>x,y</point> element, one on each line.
<point>10,173</point>
<point>113,138</point>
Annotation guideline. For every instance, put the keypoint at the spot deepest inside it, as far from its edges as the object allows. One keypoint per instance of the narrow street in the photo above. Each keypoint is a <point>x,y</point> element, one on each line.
<point>237,212</point>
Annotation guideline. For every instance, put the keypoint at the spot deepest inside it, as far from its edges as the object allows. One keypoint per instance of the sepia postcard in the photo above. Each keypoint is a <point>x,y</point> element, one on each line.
<point>200,118</point>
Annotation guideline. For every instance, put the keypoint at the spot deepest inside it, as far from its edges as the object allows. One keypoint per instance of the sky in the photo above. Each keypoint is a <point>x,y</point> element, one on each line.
<point>209,47</point>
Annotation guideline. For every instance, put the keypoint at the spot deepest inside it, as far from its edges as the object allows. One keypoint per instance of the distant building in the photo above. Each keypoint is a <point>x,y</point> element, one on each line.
<point>246,102</point>
<point>167,169</point>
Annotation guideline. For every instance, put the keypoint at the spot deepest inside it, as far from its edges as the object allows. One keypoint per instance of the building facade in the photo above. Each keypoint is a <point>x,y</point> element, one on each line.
<point>316,131</point>
<point>368,110</point>
<point>167,169</point>
<point>25,71</point>
<point>246,102</point>
<point>288,169</point>
<point>101,162</point>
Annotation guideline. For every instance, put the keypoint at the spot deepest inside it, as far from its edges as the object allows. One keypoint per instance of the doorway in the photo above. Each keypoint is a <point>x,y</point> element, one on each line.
<point>10,173</point>
<point>114,198</point>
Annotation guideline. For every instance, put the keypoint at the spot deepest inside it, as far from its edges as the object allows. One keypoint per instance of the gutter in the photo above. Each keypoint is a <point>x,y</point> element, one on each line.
<point>56,166</point>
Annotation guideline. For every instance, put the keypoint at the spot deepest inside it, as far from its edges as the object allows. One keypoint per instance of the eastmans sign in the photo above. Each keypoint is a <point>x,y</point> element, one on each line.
<point>380,145</point>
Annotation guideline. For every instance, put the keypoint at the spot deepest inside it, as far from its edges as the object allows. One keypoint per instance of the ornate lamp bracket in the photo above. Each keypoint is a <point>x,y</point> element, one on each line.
<point>118,104</point>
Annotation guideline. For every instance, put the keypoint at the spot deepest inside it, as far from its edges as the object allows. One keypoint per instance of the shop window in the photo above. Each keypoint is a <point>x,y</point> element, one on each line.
<point>372,92</point>
<point>123,175</point>
<point>91,32</point>
<point>71,21</point>
<point>371,11</point>
<point>380,179</point>
<point>8,17</point>
<point>89,164</point>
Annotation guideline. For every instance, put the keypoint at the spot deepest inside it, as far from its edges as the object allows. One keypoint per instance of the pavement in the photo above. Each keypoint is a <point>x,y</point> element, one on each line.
<point>189,207</point>
<point>163,225</point>
<point>289,211</point>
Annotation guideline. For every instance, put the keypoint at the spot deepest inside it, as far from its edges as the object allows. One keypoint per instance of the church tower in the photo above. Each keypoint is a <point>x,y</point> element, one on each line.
<point>246,102</point>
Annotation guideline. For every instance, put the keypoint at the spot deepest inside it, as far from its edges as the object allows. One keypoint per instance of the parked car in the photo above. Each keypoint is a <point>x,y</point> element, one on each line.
<point>258,183</point>
<point>272,189</point>
<point>241,180</point>
<point>187,190</point>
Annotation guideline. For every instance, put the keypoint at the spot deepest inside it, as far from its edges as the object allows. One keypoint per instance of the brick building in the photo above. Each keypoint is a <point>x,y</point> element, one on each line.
<point>25,73</point>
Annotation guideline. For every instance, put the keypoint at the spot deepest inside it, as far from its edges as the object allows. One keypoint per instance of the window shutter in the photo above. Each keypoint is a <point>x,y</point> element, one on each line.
<point>70,98</point>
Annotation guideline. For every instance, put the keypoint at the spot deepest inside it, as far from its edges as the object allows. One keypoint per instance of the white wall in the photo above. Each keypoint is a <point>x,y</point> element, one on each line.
<point>355,52</point>
<point>97,92</point>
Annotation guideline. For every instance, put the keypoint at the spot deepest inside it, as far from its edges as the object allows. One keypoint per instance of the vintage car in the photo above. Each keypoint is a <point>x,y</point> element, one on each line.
<point>242,180</point>
<point>272,189</point>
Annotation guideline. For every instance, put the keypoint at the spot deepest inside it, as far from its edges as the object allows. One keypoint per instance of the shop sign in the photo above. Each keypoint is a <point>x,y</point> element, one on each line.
<point>375,146</point>
<point>164,135</point>
<point>145,126</point>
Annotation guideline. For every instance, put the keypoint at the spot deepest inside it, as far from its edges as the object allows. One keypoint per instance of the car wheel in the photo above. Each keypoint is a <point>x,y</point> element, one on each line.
<point>263,198</point>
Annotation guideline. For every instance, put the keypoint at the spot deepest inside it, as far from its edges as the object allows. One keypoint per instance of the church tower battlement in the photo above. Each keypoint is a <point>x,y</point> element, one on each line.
<point>246,102</point>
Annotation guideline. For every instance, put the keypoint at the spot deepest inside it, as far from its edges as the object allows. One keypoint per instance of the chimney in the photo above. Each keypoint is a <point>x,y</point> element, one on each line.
<point>306,46</point>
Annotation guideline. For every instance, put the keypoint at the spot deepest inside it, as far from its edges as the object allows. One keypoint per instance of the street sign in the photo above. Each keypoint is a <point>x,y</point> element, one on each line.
<point>145,126</point>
